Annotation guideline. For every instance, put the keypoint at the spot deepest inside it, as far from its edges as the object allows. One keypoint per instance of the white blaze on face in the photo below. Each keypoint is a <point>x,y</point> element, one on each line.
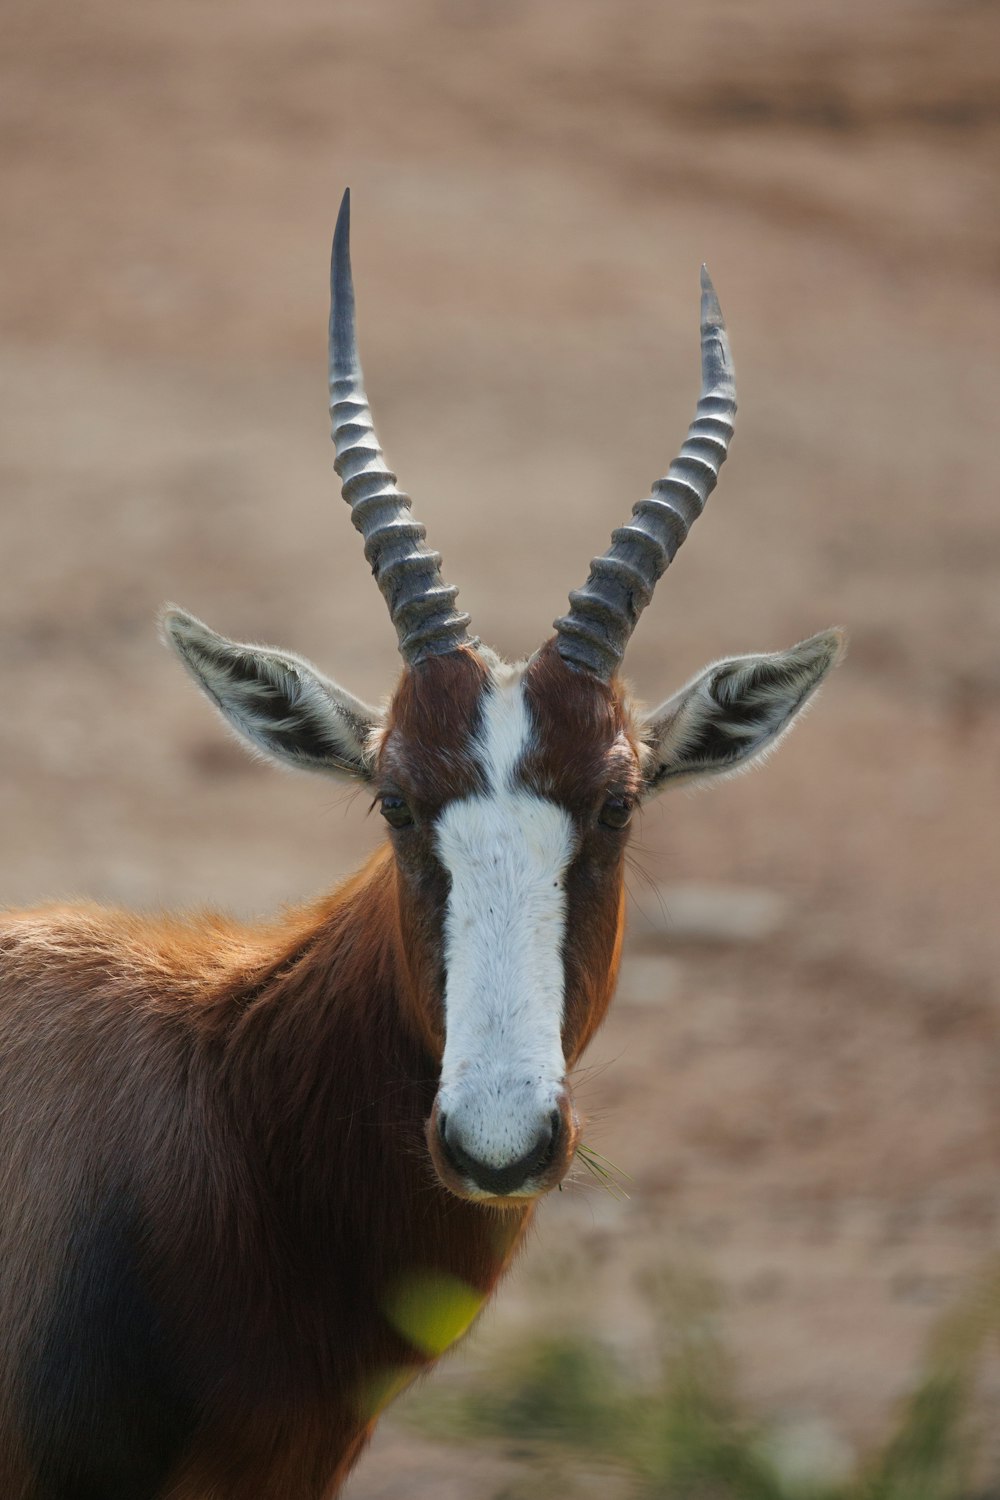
<point>506,852</point>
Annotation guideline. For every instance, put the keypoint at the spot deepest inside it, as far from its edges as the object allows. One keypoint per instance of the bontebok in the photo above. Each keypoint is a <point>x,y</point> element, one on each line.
<point>254,1178</point>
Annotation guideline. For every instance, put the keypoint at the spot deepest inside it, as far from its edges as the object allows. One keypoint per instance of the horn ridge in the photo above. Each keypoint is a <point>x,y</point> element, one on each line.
<point>421,604</point>
<point>604,612</point>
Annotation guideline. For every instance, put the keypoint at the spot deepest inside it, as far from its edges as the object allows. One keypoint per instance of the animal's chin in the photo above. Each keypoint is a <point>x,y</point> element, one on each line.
<point>506,1202</point>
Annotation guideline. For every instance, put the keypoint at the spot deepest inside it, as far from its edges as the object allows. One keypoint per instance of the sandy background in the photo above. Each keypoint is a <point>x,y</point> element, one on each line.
<point>801,1072</point>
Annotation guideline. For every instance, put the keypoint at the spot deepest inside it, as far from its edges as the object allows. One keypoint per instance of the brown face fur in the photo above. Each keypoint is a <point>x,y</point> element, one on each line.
<point>426,759</point>
<point>586,753</point>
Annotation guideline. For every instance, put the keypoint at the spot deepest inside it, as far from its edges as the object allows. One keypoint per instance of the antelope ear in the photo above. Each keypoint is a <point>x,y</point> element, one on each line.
<point>734,712</point>
<point>287,710</point>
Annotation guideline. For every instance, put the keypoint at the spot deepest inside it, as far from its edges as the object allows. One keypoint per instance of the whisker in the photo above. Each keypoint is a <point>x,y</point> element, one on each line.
<point>605,1172</point>
<point>586,1074</point>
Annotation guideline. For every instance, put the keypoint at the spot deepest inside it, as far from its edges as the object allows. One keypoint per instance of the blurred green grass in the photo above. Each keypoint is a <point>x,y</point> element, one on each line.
<point>575,1416</point>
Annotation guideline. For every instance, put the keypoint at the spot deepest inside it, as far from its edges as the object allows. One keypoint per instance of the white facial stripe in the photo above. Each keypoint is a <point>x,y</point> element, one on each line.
<point>506,852</point>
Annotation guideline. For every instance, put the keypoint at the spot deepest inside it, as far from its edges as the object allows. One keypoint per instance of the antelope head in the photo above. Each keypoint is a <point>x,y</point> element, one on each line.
<point>508,789</point>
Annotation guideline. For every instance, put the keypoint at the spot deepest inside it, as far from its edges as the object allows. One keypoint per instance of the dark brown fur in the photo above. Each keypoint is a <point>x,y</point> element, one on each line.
<point>586,748</point>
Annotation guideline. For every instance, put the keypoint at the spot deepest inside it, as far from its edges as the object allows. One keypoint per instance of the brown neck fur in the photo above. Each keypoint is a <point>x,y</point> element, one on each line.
<point>316,1183</point>
<point>234,1118</point>
<point>327,1070</point>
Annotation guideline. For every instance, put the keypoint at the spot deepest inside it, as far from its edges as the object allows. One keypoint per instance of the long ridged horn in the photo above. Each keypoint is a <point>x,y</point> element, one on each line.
<point>421,604</point>
<point>603,614</point>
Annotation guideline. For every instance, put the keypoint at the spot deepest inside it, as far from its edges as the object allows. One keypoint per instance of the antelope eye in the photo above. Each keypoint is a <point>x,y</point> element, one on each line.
<point>395,812</point>
<point>616,812</point>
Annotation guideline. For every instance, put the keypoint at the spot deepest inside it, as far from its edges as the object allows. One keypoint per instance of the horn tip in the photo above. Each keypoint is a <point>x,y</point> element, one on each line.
<point>341,234</point>
<point>342,290</point>
<point>711,311</point>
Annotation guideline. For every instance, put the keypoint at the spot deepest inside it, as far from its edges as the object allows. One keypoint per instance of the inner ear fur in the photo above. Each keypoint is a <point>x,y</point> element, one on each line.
<point>277,701</point>
<point>734,712</point>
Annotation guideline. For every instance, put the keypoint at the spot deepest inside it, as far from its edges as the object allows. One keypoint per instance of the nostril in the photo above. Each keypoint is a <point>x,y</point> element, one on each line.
<point>546,1150</point>
<point>450,1148</point>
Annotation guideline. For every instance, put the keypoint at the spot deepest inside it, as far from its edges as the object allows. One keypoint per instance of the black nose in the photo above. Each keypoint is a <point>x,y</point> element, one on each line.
<point>502,1180</point>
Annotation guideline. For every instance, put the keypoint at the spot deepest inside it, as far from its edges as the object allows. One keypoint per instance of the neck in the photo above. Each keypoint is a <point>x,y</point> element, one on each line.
<point>313,1262</point>
<point>327,1064</point>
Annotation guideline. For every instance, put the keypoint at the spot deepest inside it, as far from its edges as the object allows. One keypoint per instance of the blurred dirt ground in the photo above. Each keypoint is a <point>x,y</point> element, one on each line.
<point>807,1098</point>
